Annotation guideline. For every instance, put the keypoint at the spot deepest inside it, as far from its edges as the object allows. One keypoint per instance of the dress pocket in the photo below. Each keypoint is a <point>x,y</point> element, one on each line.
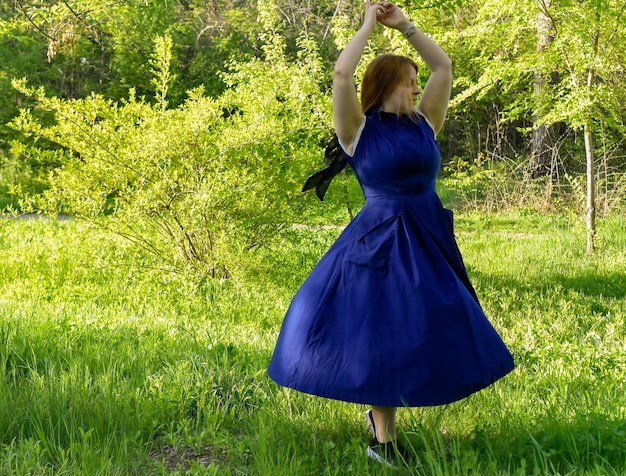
<point>374,243</point>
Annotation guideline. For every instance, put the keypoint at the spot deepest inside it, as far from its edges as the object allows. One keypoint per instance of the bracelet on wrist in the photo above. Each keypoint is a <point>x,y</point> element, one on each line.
<point>409,31</point>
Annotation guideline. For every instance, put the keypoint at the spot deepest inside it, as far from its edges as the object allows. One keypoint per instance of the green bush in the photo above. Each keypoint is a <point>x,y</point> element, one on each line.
<point>197,185</point>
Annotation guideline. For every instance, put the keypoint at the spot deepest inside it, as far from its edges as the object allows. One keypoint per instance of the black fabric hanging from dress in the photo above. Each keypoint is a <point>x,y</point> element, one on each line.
<point>334,158</point>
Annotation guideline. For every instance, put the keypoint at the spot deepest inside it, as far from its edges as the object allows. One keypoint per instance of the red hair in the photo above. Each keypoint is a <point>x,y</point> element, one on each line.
<point>381,78</point>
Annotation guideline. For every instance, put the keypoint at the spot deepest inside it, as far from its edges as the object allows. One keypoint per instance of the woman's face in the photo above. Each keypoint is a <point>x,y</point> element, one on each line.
<point>403,99</point>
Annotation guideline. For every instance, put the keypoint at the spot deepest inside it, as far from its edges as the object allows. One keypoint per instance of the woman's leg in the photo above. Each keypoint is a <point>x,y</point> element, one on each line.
<point>385,423</point>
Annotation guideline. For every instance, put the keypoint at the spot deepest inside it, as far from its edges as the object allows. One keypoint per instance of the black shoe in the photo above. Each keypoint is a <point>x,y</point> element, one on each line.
<point>390,454</point>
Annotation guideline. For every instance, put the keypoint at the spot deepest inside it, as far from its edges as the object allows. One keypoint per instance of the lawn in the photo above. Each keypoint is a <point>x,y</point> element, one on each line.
<point>112,366</point>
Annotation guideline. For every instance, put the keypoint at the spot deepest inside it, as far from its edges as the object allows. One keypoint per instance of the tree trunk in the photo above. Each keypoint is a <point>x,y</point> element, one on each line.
<point>544,136</point>
<point>543,149</point>
<point>591,170</point>
<point>591,190</point>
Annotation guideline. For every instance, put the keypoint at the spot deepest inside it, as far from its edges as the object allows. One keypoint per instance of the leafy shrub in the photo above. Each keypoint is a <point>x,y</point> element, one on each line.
<point>198,185</point>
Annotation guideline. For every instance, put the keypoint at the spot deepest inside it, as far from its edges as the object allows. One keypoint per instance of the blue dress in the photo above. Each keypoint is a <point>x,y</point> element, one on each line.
<point>388,316</point>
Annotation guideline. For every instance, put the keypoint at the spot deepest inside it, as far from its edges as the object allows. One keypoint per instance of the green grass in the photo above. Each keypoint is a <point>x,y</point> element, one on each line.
<point>109,366</point>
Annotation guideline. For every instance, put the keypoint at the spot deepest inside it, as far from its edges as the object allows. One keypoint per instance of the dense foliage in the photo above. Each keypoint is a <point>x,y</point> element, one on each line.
<point>200,120</point>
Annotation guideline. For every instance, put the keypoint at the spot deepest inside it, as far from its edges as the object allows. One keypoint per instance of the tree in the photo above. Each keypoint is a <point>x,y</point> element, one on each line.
<point>585,49</point>
<point>489,43</point>
<point>592,90</point>
<point>544,136</point>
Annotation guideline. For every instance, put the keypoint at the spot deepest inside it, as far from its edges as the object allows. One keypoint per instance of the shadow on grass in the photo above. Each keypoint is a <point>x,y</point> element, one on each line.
<point>586,444</point>
<point>608,285</point>
<point>583,444</point>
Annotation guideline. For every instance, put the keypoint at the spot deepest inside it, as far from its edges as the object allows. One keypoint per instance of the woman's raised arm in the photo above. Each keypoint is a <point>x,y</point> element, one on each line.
<point>436,94</point>
<point>347,111</point>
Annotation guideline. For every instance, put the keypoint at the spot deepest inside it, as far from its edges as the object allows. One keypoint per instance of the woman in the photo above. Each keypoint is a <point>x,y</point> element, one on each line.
<point>388,316</point>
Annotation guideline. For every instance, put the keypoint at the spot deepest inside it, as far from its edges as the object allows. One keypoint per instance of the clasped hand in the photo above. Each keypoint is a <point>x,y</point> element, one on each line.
<point>386,13</point>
